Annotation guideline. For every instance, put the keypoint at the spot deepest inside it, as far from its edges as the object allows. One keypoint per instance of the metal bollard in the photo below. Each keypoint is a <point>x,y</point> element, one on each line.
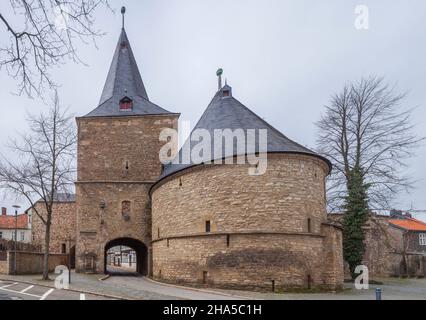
<point>378,294</point>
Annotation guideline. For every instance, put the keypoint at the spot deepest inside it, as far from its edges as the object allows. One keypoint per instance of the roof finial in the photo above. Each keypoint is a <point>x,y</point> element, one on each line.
<point>219,73</point>
<point>123,11</point>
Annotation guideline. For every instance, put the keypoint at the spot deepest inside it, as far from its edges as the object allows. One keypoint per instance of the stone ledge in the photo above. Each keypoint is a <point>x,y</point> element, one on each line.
<point>259,232</point>
<point>114,182</point>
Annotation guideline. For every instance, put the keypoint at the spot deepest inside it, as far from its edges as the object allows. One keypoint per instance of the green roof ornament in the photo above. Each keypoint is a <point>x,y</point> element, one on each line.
<point>219,73</point>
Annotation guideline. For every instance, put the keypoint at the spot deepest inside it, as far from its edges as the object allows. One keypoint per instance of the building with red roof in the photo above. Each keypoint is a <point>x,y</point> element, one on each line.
<point>8,223</point>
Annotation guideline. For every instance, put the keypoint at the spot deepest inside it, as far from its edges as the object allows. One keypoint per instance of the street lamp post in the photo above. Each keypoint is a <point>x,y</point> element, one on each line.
<point>69,260</point>
<point>16,238</point>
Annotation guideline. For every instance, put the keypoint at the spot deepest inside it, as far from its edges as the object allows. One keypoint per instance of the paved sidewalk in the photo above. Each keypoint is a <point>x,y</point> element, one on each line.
<point>140,288</point>
<point>132,288</point>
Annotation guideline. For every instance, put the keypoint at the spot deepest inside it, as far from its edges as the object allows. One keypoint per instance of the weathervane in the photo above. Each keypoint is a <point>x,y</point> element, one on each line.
<point>123,11</point>
<point>219,73</point>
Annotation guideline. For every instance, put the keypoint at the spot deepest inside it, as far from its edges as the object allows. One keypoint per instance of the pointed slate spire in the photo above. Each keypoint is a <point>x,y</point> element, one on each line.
<point>124,73</point>
<point>124,83</point>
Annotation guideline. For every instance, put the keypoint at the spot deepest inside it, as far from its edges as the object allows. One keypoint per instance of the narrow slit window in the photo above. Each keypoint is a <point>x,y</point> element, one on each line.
<point>208,226</point>
<point>309,225</point>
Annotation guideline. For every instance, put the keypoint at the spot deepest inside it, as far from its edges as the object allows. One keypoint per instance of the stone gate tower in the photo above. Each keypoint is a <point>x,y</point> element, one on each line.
<point>118,161</point>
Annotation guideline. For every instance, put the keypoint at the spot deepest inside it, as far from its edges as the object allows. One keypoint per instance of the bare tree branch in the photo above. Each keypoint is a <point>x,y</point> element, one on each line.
<point>366,125</point>
<point>45,38</point>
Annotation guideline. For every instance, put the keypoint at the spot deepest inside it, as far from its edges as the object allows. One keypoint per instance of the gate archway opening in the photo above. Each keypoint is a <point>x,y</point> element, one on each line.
<point>126,257</point>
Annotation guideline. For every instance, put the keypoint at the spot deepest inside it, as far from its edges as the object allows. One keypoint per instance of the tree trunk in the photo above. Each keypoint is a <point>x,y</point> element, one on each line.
<point>46,252</point>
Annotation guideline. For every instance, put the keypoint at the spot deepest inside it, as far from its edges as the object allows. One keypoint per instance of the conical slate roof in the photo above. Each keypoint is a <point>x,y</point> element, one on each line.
<point>226,112</point>
<point>124,80</point>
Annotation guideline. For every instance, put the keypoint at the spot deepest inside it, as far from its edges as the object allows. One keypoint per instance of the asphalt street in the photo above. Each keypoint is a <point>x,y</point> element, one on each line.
<point>10,290</point>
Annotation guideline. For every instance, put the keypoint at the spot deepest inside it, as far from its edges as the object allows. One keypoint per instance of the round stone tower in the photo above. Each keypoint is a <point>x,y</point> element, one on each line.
<point>221,225</point>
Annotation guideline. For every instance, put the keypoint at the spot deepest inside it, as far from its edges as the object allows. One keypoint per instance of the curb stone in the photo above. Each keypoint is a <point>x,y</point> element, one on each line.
<point>200,290</point>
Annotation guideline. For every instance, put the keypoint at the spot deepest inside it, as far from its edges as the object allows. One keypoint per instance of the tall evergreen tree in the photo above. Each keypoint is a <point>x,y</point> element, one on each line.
<point>356,215</point>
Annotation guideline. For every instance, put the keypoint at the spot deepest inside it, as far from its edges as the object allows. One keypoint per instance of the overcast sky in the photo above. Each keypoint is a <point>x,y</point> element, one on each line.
<point>283,58</point>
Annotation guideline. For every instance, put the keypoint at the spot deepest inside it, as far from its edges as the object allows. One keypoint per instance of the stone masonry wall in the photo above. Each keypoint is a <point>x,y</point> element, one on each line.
<point>63,228</point>
<point>259,226</point>
<point>383,246</point>
<point>121,148</point>
<point>32,262</point>
<point>281,200</point>
<point>118,160</point>
<point>251,261</point>
<point>97,226</point>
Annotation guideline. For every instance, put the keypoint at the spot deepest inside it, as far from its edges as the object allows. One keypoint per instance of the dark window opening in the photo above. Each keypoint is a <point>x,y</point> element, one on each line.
<point>228,240</point>
<point>126,104</point>
<point>205,277</point>
<point>180,182</point>
<point>158,233</point>
<point>63,248</point>
<point>309,225</point>
<point>208,226</point>
<point>226,93</point>
<point>309,281</point>
<point>273,285</point>
<point>127,165</point>
<point>168,244</point>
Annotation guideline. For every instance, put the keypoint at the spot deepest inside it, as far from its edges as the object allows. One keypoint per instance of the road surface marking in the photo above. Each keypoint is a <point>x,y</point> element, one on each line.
<point>9,285</point>
<point>17,292</point>
<point>26,289</point>
<point>44,296</point>
<point>82,296</point>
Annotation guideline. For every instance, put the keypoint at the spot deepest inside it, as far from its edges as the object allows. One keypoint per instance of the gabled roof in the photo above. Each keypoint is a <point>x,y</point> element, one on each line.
<point>8,221</point>
<point>62,197</point>
<point>226,112</point>
<point>410,224</point>
<point>123,80</point>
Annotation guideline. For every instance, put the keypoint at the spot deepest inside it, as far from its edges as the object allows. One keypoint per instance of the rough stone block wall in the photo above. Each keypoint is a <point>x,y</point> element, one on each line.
<point>333,266</point>
<point>118,160</point>
<point>264,218</point>
<point>32,262</point>
<point>63,228</point>
<point>97,226</point>
<point>250,261</point>
<point>4,263</point>
<point>121,148</point>
<point>382,246</point>
<point>282,200</point>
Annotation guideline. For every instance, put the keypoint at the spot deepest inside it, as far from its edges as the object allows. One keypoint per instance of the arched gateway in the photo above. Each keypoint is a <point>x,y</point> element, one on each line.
<point>138,246</point>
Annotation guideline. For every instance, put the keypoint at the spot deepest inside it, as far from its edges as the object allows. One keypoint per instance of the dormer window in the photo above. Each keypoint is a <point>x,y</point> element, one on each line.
<point>126,104</point>
<point>226,92</point>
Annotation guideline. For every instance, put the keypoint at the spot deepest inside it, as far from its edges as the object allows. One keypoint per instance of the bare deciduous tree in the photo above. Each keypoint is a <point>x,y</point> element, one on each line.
<point>45,166</point>
<point>366,125</point>
<point>42,35</point>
